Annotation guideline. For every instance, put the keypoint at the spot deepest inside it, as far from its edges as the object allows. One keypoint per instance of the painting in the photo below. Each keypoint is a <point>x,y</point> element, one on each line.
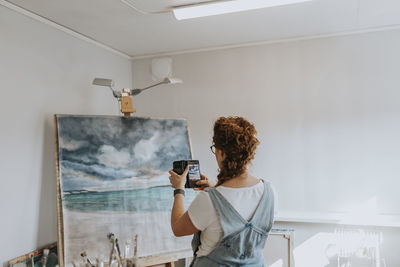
<point>37,258</point>
<point>112,176</point>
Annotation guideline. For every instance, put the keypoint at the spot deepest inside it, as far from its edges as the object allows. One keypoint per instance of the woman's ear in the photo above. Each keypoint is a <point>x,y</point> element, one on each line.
<point>223,155</point>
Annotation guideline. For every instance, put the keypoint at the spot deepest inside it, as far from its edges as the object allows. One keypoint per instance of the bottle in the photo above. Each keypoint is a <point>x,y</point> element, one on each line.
<point>128,244</point>
<point>43,260</point>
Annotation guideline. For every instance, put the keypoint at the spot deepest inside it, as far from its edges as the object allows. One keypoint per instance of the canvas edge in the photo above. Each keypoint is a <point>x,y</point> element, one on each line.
<point>60,222</point>
<point>118,116</point>
<point>189,139</point>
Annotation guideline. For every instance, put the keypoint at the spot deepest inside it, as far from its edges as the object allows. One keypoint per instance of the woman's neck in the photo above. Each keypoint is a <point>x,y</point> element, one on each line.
<point>243,180</point>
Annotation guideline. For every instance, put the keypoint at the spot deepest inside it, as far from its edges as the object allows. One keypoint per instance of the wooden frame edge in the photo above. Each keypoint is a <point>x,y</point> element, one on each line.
<point>60,219</point>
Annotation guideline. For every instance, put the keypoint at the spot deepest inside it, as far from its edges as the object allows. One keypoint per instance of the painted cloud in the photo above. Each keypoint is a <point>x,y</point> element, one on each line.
<point>96,150</point>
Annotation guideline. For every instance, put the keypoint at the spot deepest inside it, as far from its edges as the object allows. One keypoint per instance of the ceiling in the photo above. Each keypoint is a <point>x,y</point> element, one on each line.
<point>120,27</point>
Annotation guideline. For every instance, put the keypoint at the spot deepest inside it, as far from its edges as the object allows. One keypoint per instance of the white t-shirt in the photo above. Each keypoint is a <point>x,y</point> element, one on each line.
<point>204,216</point>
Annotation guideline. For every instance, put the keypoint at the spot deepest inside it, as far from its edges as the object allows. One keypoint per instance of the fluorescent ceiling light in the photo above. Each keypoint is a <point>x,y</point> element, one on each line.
<point>224,7</point>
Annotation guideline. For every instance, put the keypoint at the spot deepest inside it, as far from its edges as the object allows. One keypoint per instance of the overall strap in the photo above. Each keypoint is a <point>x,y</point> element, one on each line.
<point>263,217</point>
<point>230,220</point>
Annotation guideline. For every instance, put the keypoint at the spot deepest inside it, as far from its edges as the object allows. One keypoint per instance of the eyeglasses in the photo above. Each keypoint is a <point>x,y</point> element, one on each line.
<point>212,149</point>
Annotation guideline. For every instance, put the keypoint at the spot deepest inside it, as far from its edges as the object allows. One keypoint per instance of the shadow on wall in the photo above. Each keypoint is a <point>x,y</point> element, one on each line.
<point>47,225</point>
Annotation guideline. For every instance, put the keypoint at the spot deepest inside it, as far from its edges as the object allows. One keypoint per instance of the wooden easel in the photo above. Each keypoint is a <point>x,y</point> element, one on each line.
<point>126,103</point>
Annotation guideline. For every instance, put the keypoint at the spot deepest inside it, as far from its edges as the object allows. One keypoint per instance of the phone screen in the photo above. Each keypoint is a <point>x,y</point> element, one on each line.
<point>194,172</point>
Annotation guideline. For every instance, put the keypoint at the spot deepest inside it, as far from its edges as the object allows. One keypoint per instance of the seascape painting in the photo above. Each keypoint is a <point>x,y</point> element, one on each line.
<point>113,177</point>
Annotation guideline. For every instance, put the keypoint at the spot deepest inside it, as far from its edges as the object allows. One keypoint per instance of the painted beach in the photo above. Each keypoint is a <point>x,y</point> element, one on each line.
<point>144,212</point>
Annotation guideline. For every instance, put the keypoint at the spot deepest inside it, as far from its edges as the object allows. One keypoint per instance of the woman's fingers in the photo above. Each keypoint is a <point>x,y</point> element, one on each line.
<point>203,177</point>
<point>177,180</point>
<point>172,172</point>
<point>186,171</point>
<point>182,175</point>
<point>202,182</point>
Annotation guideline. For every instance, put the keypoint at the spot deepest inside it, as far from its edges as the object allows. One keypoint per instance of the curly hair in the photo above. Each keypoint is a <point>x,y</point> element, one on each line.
<point>234,136</point>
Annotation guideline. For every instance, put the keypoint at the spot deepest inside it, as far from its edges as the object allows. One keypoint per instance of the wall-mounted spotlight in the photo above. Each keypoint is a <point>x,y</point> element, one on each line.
<point>107,83</point>
<point>124,96</point>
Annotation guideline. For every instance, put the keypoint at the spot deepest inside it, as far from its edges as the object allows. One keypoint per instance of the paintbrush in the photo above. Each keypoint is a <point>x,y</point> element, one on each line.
<point>119,252</point>
<point>44,257</point>
<point>135,246</point>
<point>111,238</point>
<point>85,257</point>
<point>33,260</point>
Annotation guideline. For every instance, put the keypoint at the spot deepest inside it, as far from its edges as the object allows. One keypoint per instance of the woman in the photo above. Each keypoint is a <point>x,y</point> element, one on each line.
<point>230,221</point>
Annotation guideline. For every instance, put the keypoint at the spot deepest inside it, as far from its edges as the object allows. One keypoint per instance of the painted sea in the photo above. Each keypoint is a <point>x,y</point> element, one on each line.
<point>113,175</point>
<point>153,199</point>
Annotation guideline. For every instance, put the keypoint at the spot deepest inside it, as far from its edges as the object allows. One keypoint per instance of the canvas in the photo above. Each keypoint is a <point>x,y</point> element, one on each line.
<point>113,177</point>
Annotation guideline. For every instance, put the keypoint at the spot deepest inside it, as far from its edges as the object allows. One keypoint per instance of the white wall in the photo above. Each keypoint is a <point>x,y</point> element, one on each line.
<point>43,71</point>
<point>327,112</point>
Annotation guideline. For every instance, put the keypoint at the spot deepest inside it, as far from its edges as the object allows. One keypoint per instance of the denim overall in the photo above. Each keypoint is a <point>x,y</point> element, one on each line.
<point>243,241</point>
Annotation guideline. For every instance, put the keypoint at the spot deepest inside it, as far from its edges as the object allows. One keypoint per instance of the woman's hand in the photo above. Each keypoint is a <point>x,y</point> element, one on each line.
<point>203,183</point>
<point>178,181</point>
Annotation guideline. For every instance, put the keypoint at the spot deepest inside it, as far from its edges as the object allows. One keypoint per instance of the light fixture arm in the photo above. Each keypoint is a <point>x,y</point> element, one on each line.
<point>138,91</point>
<point>134,92</point>
<point>116,94</point>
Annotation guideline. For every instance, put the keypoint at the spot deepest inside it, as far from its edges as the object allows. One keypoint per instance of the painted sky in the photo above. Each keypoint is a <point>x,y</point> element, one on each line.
<point>115,152</point>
